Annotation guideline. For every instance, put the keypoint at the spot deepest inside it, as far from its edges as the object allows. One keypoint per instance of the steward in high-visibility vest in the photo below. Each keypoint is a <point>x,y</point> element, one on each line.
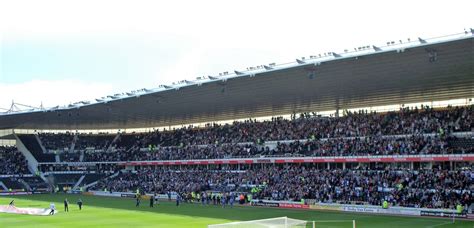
<point>385,204</point>
<point>400,187</point>
<point>249,197</point>
<point>459,209</point>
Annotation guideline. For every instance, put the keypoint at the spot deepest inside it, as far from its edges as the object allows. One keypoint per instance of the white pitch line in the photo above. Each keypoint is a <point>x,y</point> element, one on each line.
<point>441,224</point>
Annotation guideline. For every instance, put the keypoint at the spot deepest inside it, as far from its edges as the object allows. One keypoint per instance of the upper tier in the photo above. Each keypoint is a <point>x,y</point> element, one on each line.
<point>407,132</point>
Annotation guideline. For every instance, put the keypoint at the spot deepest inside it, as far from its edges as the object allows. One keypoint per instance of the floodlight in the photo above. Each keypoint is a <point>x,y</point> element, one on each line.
<point>267,67</point>
<point>300,61</point>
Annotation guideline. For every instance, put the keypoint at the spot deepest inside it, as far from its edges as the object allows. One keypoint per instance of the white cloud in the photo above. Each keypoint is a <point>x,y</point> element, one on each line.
<point>51,93</point>
<point>244,21</point>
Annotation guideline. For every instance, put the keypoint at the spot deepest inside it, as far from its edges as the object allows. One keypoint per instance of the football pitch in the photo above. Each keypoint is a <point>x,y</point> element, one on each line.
<point>121,212</point>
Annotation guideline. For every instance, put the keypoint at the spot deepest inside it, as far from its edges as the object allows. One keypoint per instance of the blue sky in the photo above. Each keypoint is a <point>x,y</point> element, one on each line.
<point>58,52</point>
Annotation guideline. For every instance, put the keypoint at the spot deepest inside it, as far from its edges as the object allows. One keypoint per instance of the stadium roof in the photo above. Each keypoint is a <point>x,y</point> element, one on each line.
<point>399,73</point>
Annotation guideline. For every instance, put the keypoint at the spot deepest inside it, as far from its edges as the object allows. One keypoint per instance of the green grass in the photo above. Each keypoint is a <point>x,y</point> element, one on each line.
<point>121,212</point>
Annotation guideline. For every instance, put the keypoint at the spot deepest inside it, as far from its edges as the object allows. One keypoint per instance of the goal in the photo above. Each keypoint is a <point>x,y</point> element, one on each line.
<point>285,222</point>
<point>280,222</point>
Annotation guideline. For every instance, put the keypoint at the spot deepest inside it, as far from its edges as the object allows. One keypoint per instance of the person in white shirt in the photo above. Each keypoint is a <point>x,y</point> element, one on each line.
<point>53,208</point>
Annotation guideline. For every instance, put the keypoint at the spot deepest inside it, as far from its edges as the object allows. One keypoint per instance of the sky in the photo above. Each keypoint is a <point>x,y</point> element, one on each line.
<point>60,52</point>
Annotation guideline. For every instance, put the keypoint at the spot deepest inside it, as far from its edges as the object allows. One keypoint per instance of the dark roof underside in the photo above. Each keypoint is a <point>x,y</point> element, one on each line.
<point>372,80</point>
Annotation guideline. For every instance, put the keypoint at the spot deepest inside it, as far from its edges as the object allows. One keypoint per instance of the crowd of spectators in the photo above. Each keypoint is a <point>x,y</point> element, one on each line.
<point>96,142</point>
<point>56,141</point>
<point>95,168</point>
<point>422,188</point>
<point>163,181</point>
<point>69,157</point>
<point>12,161</point>
<point>364,146</point>
<point>59,142</point>
<point>404,122</point>
<point>412,131</point>
<point>411,188</point>
<point>178,153</point>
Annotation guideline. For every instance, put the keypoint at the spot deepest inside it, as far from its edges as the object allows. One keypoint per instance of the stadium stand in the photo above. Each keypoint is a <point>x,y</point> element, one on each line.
<point>70,157</point>
<point>95,142</point>
<point>32,144</point>
<point>53,142</point>
<point>12,161</point>
<point>422,188</point>
<point>90,178</point>
<point>36,184</point>
<point>13,183</point>
<point>465,145</point>
<point>65,180</point>
<point>406,132</point>
<point>409,145</point>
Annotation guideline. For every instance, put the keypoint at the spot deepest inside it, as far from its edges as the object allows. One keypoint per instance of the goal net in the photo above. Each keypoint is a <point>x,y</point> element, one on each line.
<point>281,222</point>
